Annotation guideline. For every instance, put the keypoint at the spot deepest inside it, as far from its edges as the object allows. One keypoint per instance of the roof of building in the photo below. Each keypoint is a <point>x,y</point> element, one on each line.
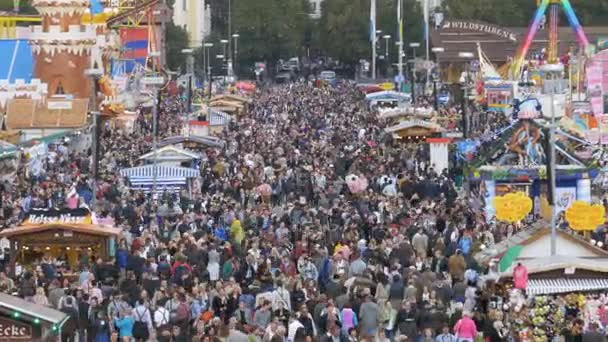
<point>29,113</point>
<point>202,140</point>
<point>529,236</point>
<point>79,228</point>
<point>499,43</point>
<point>42,312</point>
<point>171,153</point>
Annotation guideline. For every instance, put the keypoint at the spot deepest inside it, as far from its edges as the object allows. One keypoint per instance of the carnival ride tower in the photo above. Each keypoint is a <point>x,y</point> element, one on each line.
<point>552,48</point>
<point>62,46</point>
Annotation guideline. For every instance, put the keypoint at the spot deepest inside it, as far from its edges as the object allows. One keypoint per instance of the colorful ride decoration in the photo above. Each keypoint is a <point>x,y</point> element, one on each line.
<point>582,216</point>
<point>553,21</point>
<point>512,207</point>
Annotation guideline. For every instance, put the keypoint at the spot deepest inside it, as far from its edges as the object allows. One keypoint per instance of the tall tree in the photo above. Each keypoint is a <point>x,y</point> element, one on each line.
<point>177,40</point>
<point>270,29</point>
<point>345,26</point>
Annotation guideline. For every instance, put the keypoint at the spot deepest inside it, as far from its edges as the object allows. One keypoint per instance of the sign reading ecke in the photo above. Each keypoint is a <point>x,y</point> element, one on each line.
<point>12,330</point>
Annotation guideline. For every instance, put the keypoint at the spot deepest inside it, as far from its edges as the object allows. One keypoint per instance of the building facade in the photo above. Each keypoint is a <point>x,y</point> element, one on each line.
<point>194,16</point>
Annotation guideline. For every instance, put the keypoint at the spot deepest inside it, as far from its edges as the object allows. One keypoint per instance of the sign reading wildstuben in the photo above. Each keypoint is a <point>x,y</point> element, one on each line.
<point>479,27</point>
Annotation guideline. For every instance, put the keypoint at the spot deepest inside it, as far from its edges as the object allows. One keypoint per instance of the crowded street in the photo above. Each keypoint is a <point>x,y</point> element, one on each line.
<point>303,171</point>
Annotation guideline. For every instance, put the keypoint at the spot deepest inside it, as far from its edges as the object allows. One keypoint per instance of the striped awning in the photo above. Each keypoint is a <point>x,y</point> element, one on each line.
<point>550,286</point>
<point>218,118</point>
<point>162,172</point>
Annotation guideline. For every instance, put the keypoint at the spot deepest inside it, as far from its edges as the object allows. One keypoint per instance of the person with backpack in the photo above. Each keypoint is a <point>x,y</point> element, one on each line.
<point>143,321</point>
<point>124,324</point>
<point>181,317</point>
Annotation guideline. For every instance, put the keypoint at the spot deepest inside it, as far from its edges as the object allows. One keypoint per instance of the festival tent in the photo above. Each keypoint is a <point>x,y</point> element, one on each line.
<point>168,177</point>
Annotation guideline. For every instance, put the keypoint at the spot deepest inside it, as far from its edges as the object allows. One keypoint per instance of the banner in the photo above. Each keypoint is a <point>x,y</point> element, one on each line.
<point>603,123</point>
<point>489,192</point>
<point>594,88</point>
<point>583,190</point>
<point>564,197</point>
<point>54,216</point>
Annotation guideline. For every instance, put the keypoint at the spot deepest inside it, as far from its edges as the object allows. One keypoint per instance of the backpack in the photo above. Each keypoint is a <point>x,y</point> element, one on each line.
<point>182,313</point>
<point>180,271</point>
<point>140,329</point>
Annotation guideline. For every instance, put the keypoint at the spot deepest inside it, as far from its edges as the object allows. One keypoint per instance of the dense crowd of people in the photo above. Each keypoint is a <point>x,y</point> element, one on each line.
<point>275,244</point>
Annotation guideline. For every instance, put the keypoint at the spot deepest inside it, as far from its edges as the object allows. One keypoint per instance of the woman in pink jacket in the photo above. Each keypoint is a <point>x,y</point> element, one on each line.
<point>465,329</point>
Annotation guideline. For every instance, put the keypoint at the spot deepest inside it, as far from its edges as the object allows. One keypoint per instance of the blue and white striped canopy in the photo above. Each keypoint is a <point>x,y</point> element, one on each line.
<point>162,172</point>
<point>217,118</point>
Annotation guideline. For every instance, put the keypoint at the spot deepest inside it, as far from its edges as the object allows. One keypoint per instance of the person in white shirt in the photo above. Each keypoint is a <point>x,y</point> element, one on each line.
<point>141,313</point>
<point>161,317</point>
<point>293,327</point>
<point>281,295</point>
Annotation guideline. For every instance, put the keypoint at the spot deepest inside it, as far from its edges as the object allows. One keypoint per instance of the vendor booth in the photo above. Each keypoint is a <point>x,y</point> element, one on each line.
<point>388,99</point>
<point>62,240</point>
<point>415,130</point>
<point>165,177</point>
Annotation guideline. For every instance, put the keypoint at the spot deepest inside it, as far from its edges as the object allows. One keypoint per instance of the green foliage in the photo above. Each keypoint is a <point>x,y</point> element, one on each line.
<point>177,40</point>
<point>25,6</point>
<point>269,29</point>
<point>345,26</point>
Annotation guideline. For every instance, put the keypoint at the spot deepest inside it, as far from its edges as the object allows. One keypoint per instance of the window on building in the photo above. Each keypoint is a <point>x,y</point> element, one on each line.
<point>184,5</point>
<point>314,7</point>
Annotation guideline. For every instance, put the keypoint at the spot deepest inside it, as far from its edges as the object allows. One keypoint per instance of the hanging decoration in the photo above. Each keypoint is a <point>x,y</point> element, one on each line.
<point>582,216</point>
<point>512,207</point>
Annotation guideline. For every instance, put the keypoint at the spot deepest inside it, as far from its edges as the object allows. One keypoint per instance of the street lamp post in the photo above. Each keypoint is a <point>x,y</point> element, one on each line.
<point>224,43</point>
<point>413,71</point>
<point>189,72</point>
<point>437,50</point>
<point>553,71</point>
<point>387,38</point>
<point>465,112</point>
<point>236,49</point>
<point>207,53</point>
<point>155,82</point>
<point>374,53</point>
<point>94,74</point>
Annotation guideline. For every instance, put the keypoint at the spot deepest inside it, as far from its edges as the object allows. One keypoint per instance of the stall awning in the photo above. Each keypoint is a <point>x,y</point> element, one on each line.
<point>219,118</point>
<point>162,172</point>
<point>550,286</point>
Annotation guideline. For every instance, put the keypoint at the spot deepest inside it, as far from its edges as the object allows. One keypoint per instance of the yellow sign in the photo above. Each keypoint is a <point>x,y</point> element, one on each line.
<point>386,86</point>
<point>582,216</point>
<point>512,207</point>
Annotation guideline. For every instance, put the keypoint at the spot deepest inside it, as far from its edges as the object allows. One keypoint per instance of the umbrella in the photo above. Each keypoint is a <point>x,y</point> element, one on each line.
<point>247,86</point>
<point>264,190</point>
<point>510,256</point>
<point>356,184</point>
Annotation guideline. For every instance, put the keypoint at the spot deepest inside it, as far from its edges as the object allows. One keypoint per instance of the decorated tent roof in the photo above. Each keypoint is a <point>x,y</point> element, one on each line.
<point>170,153</point>
<point>206,140</point>
<point>403,125</point>
<point>388,95</point>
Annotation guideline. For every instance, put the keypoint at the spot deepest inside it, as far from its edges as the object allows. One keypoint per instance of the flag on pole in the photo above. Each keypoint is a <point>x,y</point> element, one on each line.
<point>372,22</point>
<point>399,21</point>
